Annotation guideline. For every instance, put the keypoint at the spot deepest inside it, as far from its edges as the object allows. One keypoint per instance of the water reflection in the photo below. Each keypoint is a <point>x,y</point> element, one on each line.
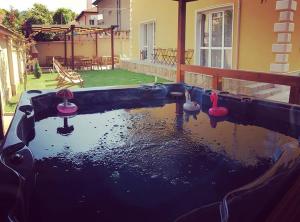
<point>154,129</point>
<point>66,129</point>
<point>179,116</point>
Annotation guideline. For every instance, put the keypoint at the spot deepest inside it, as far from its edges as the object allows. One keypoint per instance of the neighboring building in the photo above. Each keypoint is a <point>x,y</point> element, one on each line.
<point>238,34</point>
<point>114,12</point>
<point>12,63</point>
<point>89,17</point>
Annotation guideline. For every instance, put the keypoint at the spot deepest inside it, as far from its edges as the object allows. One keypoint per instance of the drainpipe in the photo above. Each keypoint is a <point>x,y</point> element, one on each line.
<point>120,15</point>
<point>237,50</point>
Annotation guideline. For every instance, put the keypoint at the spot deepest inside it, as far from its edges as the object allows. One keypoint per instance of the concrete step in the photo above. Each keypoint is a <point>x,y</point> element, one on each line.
<point>256,87</point>
<point>262,94</point>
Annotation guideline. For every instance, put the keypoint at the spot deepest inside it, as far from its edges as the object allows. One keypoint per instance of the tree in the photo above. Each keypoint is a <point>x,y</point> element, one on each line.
<point>38,15</point>
<point>12,19</point>
<point>37,70</point>
<point>2,14</point>
<point>63,16</point>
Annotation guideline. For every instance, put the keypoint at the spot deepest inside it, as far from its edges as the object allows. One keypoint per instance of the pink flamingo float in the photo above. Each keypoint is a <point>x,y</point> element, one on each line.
<point>215,110</point>
<point>66,107</point>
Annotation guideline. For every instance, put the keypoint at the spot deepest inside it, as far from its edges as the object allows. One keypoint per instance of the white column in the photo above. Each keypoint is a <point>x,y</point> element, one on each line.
<point>11,66</point>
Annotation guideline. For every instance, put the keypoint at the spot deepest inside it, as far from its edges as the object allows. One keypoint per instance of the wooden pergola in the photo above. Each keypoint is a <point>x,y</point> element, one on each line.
<point>218,74</point>
<point>73,30</point>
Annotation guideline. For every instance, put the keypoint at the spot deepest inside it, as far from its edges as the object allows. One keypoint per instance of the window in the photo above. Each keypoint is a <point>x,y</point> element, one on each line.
<point>147,40</point>
<point>214,38</point>
<point>92,22</point>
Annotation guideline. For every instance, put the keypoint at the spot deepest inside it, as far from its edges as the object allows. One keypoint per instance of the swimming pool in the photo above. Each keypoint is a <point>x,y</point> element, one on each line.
<point>134,154</point>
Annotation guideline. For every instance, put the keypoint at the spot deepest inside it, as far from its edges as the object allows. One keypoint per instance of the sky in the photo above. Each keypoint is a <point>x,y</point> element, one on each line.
<point>75,5</point>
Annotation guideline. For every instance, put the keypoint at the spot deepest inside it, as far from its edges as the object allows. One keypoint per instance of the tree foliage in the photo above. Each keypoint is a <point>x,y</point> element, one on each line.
<point>37,70</point>
<point>38,14</point>
<point>63,16</point>
<point>12,19</point>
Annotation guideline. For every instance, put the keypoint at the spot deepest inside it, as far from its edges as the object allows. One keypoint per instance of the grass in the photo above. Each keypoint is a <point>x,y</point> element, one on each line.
<point>91,79</point>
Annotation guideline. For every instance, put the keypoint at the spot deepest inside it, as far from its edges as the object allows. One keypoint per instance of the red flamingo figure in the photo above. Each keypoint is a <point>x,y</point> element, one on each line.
<point>215,110</point>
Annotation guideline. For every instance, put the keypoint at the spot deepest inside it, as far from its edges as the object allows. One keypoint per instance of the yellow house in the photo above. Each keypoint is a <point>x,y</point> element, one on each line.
<point>238,34</point>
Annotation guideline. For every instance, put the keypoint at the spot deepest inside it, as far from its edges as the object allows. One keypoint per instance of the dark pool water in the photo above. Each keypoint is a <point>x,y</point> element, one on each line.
<point>146,164</point>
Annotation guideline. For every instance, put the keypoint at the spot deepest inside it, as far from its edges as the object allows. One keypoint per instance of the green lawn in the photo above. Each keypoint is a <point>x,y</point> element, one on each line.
<point>91,79</point>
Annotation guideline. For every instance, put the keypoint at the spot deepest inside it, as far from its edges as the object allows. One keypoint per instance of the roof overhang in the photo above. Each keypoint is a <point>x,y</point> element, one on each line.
<point>8,32</point>
<point>96,2</point>
<point>83,13</point>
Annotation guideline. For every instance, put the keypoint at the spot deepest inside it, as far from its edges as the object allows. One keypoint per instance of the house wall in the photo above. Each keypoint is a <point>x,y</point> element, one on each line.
<point>256,29</point>
<point>294,59</point>
<point>12,65</point>
<point>85,47</point>
<point>85,19</point>
<point>5,86</point>
<point>109,10</point>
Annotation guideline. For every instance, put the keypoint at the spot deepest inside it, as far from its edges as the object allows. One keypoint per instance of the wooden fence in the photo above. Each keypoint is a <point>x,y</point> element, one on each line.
<point>218,74</point>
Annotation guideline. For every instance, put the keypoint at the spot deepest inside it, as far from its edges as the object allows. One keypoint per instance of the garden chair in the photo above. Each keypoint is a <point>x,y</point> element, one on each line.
<point>164,55</point>
<point>189,56</point>
<point>97,62</point>
<point>66,79</point>
<point>159,55</point>
<point>169,56</point>
<point>172,56</point>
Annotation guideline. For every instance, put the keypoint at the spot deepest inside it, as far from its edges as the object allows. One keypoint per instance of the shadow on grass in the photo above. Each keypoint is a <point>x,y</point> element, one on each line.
<point>50,80</point>
<point>51,85</point>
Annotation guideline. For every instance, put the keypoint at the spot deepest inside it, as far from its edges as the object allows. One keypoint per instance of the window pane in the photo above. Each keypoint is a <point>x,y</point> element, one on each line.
<point>227,59</point>
<point>217,23</point>
<point>204,57</point>
<point>228,28</point>
<point>216,58</point>
<point>204,30</point>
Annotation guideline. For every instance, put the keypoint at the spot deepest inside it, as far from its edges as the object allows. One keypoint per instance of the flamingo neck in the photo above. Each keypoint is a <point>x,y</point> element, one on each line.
<point>187,97</point>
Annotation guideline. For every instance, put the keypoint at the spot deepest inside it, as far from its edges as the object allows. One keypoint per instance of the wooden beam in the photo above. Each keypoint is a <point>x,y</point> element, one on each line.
<point>65,48</point>
<point>112,47</point>
<point>181,40</point>
<point>281,79</point>
<point>72,47</point>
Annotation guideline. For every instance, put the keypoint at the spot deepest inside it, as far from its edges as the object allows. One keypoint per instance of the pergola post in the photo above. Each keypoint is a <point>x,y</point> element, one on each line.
<point>96,45</point>
<point>65,47</point>
<point>112,47</point>
<point>72,47</point>
<point>181,40</point>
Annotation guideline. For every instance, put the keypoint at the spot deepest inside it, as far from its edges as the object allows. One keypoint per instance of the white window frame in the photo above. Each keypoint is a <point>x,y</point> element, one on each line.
<point>142,45</point>
<point>209,12</point>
